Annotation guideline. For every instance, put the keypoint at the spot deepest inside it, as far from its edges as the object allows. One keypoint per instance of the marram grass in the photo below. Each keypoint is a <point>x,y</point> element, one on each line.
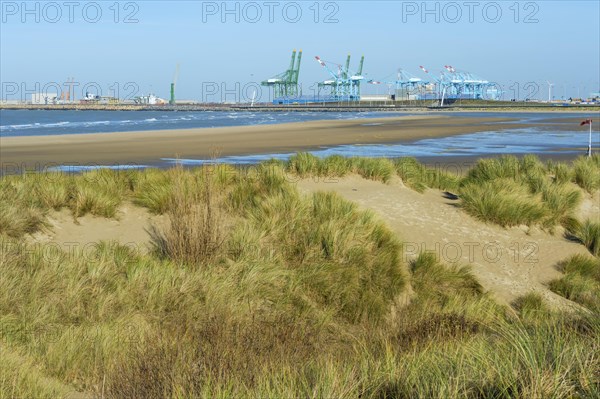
<point>260,291</point>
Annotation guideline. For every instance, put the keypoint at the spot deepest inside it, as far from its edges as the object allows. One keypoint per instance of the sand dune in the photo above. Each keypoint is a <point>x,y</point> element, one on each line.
<point>508,262</point>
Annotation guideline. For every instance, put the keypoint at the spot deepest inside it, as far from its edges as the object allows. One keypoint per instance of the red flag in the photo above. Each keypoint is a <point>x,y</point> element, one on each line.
<point>586,122</point>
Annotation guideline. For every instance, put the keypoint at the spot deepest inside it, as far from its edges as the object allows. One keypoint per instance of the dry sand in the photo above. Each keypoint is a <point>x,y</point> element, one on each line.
<point>149,146</point>
<point>131,227</point>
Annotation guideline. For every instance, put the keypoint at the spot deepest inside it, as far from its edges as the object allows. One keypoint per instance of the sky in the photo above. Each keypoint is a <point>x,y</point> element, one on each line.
<point>224,48</point>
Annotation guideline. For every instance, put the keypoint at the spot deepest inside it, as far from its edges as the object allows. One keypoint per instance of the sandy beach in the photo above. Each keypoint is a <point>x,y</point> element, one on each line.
<point>148,147</point>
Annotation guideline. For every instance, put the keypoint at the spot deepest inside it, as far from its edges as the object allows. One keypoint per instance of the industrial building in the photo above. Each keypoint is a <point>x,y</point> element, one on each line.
<point>44,98</point>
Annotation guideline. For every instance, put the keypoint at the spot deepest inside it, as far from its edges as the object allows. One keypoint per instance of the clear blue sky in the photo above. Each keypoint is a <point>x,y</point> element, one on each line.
<point>557,41</point>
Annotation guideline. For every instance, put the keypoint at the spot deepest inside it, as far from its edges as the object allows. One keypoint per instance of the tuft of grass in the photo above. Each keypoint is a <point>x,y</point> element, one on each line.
<point>338,252</point>
<point>561,202</point>
<point>419,177</point>
<point>17,219</point>
<point>561,172</point>
<point>588,233</point>
<point>52,190</point>
<point>504,167</point>
<point>509,192</point>
<point>18,213</point>
<point>581,282</point>
<point>335,166</point>
<point>531,304</point>
<point>195,231</point>
<point>586,172</point>
<point>154,191</point>
<point>379,169</point>
<point>100,192</point>
<point>304,164</point>
<point>582,265</point>
<point>502,201</point>
<point>436,280</point>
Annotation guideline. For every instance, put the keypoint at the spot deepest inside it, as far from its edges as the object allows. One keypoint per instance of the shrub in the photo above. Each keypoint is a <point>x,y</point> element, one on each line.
<point>195,231</point>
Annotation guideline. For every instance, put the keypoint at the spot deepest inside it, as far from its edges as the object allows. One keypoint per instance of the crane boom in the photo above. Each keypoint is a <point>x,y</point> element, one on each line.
<point>360,66</point>
<point>347,68</point>
<point>335,76</point>
<point>292,61</point>
<point>296,71</point>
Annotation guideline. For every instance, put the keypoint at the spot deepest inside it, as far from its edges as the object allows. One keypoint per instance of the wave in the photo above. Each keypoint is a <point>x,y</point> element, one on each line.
<point>98,122</point>
<point>31,126</point>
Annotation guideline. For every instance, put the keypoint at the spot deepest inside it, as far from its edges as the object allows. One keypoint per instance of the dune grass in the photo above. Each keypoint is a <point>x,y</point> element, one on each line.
<point>19,215</point>
<point>581,282</point>
<point>560,171</point>
<point>98,192</point>
<point>258,291</point>
<point>510,192</point>
<point>514,191</point>
<point>412,173</point>
<point>419,177</point>
<point>586,172</point>
<point>588,233</point>
<point>503,202</point>
<point>17,220</point>
<point>307,165</point>
<point>195,229</point>
<point>531,305</point>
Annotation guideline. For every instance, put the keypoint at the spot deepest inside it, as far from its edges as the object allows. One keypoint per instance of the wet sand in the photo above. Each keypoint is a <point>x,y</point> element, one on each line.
<point>148,147</point>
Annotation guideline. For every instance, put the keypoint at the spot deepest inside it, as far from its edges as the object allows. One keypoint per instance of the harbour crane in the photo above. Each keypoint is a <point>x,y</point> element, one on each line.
<point>285,84</point>
<point>344,84</point>
<point>405,83</point>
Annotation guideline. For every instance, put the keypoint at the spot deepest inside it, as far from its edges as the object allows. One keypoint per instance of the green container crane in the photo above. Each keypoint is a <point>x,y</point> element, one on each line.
<point>344,84</point>
<point>286,84</point>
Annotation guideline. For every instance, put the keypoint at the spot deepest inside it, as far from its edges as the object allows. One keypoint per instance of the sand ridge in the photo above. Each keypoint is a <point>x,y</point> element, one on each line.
<point>508,262</point>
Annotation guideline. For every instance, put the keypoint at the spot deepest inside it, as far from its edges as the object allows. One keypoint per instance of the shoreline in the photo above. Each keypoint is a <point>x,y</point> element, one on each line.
<point>148,147</point>
<point>18,154</point>
<point>325,107</point>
